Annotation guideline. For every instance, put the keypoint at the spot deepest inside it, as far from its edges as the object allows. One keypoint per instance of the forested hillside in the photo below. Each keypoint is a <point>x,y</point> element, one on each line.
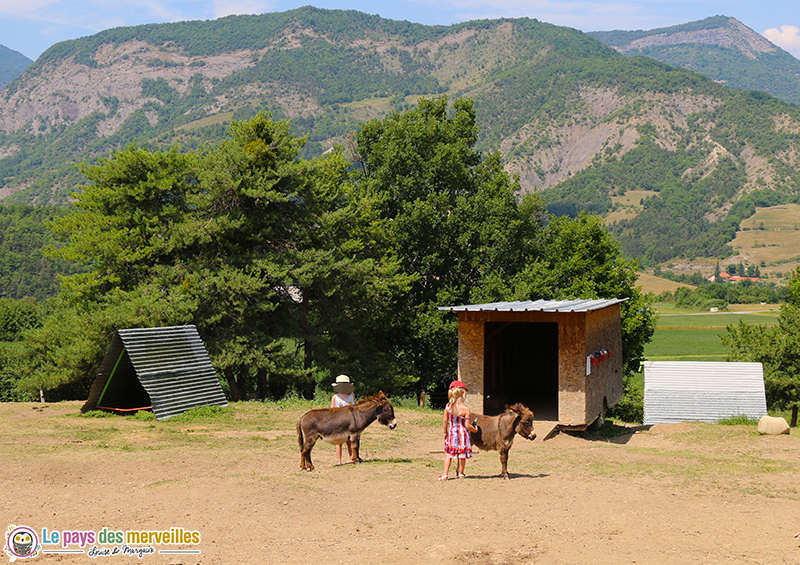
<point>569,115</point>
<point>720,48</point>
<point>12,63</point>
<point>25,272</point>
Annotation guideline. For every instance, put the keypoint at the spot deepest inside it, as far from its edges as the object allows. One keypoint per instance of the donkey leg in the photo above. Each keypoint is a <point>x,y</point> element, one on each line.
<point>305,454</point>
<point>355,441</point>
<point>504,462</point>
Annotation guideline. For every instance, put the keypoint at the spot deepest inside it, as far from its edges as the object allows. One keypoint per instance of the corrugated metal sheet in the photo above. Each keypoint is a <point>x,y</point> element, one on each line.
<point>681,391</point>
<point>172,365</point>
<point>538,306</point>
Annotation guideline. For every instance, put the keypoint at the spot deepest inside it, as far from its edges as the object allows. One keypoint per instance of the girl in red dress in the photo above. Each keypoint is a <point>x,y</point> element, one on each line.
<point>457,426</point>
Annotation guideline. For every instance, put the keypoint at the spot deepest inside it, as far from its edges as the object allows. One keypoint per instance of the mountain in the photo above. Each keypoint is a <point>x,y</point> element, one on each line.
<point>12,64</point>
<point>720,48</point>
<point>673,159</point>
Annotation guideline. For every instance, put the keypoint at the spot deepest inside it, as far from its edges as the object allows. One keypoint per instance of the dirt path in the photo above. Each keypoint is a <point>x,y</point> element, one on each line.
<point>681,493</point>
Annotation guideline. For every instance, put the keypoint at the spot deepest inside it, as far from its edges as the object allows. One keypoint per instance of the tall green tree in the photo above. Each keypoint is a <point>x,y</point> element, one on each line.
<point>777,348</point>
<point>453,218</point>
<point>289,258</point>
<point>16,317</point>
<point>264,252</point>
<point>124,228</point>
<point>460,226</point>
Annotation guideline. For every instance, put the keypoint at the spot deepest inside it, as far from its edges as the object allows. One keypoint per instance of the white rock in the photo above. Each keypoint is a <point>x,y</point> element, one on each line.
<point>770,425</point>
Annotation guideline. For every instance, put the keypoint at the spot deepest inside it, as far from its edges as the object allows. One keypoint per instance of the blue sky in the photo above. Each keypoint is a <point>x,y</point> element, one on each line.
<point>31,26</point>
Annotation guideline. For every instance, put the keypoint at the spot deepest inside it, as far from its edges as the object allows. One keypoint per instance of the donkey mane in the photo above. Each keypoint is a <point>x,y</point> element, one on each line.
<point>379,398</point>
<point>519,408</point>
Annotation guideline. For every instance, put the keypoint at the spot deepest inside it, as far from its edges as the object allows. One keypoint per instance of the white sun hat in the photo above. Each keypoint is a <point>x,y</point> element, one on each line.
<point>343,385</point>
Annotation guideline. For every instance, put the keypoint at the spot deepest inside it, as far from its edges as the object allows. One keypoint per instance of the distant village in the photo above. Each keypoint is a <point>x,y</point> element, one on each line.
<point>727,277</point>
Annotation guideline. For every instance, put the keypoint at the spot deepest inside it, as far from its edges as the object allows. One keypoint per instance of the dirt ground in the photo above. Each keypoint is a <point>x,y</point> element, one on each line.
<point>680,493</point>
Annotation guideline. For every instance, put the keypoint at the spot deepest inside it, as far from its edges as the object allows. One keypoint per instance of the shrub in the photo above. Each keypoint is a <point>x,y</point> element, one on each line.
<point>738,420</point>
<point>629,409</point>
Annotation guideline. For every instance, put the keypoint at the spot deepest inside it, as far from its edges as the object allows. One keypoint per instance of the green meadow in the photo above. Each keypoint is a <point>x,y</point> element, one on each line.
<point>685,335</point>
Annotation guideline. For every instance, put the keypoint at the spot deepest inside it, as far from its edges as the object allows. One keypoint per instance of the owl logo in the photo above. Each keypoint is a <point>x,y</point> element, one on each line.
<point>21,543</point>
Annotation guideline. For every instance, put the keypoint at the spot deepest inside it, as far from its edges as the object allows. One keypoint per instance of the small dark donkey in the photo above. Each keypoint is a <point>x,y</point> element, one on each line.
<point>337,425</point>
<point>497,432</point>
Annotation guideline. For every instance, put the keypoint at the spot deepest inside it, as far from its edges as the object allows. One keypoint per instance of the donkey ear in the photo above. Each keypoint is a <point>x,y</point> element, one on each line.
<point>381,395</point>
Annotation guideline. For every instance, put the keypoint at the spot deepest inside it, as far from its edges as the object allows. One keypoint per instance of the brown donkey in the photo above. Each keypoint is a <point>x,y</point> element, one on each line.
<point>337,425</point>
<point>497,432</point>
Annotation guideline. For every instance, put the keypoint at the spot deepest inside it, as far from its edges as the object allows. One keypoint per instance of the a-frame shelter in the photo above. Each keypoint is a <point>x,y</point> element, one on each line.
<point>165,369</point>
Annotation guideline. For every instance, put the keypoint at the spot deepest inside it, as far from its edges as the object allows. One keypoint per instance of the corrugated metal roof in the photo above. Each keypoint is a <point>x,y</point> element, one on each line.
<point>172,365</point>
<point>538,306</point>
<point>681,391</point>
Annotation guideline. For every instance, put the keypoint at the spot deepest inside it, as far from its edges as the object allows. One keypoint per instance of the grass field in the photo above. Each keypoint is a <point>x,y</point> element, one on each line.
<point>684,335</point>
<point>628,205</point>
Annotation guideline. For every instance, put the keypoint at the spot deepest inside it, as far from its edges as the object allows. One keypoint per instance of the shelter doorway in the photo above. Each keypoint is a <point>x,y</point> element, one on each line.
<point>521,365</point>
<point>122,391</point>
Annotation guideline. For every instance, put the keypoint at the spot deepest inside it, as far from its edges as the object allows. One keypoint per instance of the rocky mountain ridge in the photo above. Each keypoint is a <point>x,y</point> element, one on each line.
<point>571,116</point>
<point>732,35</point>
<point>719,47</point>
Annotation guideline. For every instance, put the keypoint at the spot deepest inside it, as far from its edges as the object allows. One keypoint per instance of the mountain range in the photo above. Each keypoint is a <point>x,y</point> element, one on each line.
<point>719,47</point>
<point>685,157</point>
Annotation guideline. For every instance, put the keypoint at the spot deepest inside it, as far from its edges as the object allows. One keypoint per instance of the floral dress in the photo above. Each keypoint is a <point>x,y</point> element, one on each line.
<point>457,443</point>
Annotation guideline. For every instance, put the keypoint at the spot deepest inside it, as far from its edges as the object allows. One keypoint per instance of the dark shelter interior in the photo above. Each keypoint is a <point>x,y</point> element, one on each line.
<point>123,391</point>
<point>521,366</point>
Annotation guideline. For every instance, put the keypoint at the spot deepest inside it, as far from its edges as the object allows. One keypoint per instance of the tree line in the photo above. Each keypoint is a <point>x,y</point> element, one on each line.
<point>25,272</point>
<point>297,269</point>
<point>777,348</point>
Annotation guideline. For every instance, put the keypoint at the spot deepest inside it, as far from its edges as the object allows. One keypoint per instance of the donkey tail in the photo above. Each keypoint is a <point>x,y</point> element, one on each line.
<point>300,434</point>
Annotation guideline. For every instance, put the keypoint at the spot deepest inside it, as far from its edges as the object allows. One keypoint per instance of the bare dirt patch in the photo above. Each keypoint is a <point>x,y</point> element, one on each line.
<point>681,493</point>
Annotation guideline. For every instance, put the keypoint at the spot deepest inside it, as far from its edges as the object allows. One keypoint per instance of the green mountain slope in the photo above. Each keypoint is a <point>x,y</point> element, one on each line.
<point>720,48</point>
<point>673,159</point>
<point>12,64</point>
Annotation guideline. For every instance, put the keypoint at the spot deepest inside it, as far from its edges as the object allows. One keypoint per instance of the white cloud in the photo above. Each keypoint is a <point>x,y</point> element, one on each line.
<point>239,7</point>
<point>788,38</point>
<point>17,8</point>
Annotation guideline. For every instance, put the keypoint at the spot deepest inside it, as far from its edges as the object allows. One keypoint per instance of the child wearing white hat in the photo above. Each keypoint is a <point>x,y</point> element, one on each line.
<point>343,396</point>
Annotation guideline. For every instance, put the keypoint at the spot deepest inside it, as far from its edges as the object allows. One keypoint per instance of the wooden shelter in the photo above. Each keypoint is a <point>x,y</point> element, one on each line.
<point>561,358</point>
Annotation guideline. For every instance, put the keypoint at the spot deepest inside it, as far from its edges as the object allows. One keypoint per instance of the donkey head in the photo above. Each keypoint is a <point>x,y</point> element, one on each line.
<point>524,422</point>
<point>385,411</point>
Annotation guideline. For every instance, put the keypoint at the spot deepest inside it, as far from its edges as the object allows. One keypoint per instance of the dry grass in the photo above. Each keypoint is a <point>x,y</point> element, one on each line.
<point>771,237</point>
<point>657,285</point>
<point>222,117</point>
<point>677,493</point>
<point>628,205</point>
